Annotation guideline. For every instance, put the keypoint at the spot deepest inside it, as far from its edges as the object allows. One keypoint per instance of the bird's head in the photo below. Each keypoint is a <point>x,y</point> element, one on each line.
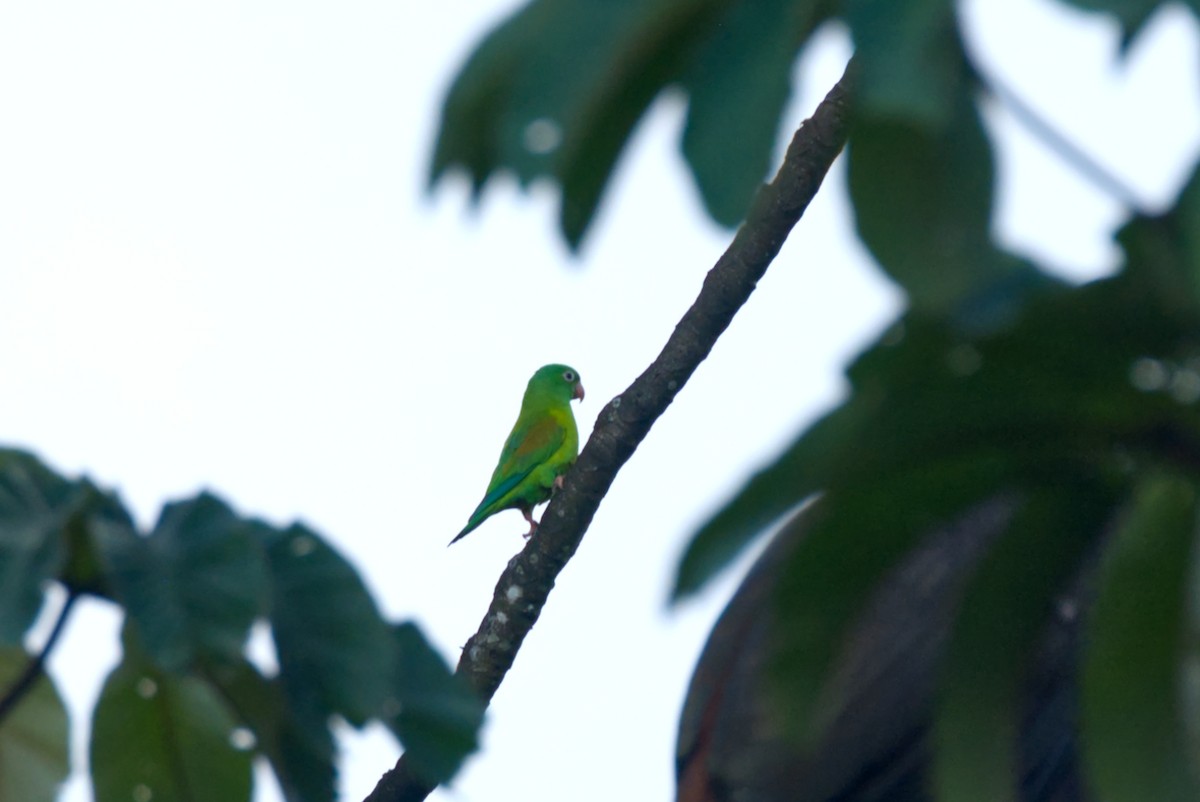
<point>560,382</point>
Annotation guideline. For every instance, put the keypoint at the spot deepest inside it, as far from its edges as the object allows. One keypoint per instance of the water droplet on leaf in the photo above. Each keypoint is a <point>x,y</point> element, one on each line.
<point>542,136</point>
<point>1185,386</point>
<point>242,739</point>
<point>1148,374</point>
<point>964,360</point>
<point>302,545</point>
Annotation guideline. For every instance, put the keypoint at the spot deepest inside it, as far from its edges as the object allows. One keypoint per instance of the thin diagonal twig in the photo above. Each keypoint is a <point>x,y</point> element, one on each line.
<point>33,670</point>
<point>1068,151</point>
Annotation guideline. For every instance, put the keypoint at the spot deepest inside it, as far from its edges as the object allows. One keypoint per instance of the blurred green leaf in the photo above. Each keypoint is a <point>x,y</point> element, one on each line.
<point>911,61</point>
<point>297,743</point>
<point>34,757</point>
<point>737,86</point>
<point>1003,613</point>
<point>335,652</point>
<point>651,53</point>
<point>1068,381</point>
<point>923,206</point>
<point>856,535</point>
<point>164,737</point>
<point>35,505</point>
<point>557,89</point>
<point>1185,216</point>
<point>484,116</point>
<point>98,523</point>
<point>1163,251</point>
<point>1133,736</point>
<point>439,715</point>
<point>194,586</point>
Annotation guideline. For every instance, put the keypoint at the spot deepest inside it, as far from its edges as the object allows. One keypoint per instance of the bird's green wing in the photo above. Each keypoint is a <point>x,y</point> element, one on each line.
<point>530,445</point>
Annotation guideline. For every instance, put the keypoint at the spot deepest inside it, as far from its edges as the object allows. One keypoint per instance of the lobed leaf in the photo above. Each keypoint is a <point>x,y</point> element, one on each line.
<point>1163,252</point>
<point>1132,730</point>
<point>652,53</point>
<point>439,714</point>
<point>912,66</point>
<point>163,736</point>
<point>856,535</point>
<point>556,90</point>
<point>1002,615</point>
<point>335,652</point>
<point>1060,384</point>
<point>923,206</point>
<point>296,742</point>
<point>737,86</point>
<point>193,587</point>
<point>34,754</point>
<point>35,505</point>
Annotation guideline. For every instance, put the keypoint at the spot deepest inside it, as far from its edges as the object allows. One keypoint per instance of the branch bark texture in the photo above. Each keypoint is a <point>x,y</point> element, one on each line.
<point>526,583</point>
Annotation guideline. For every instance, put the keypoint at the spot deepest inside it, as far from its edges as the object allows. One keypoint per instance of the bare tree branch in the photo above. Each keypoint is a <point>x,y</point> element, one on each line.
<point>624,422</point>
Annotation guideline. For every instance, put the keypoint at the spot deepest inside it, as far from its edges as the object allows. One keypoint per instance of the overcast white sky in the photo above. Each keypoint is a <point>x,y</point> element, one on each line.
<point>218,269</point>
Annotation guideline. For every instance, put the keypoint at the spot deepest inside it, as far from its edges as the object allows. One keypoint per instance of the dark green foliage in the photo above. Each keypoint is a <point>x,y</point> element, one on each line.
<point>998,382</point>
<point>858,534</point>
<point>1069,399</point>
<point>164,736</point>
<point>923,206</point>
<point>737,86</point>
<point>335,653</point>
<point>1082,404</point>
<point>556,90</point>
<point>912,65</point>
<point>1163,252</point>
<point>1051,390</point>
<point>1143,633</point>
<point>583,72</point>
<point>37,507</point>
<point>295,740</point>
<point>439,715</point>
<point>1069,404</point>
<point>1000,622</point>
<point>193,586</point>
<point>34,757</point>
<point>191,589</point>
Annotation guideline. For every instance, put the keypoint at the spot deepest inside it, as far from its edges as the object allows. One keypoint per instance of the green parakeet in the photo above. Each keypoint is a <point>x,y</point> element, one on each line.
<point>543,443</point>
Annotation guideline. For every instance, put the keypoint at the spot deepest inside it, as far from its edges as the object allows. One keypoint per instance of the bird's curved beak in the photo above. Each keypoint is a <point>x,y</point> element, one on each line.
<point>578,392</point>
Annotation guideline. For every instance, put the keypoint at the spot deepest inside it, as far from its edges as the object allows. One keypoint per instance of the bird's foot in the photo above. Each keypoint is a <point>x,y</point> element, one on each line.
<point>533,525</point>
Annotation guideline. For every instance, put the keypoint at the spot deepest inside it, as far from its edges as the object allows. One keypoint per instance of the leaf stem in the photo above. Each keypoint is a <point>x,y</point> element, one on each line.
<point>1089,168</point>
<point>33,670</point>
<point>526,583</point>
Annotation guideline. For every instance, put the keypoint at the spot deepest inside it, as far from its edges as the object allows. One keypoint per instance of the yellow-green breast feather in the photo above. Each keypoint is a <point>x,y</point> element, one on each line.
<point>542,445</point>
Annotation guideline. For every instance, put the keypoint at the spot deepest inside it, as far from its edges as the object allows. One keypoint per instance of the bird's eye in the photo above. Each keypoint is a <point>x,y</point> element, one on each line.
<point>569,375</point>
